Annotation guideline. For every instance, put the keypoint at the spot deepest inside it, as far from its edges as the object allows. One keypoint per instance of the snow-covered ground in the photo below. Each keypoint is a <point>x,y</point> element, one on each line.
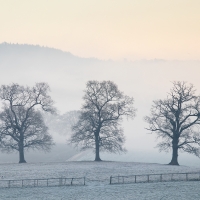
<point>152,191</point>
<point>97,181</point>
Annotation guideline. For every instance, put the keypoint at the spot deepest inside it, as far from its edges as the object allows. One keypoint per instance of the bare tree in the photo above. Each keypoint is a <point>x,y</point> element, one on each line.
<point>21,123</point>
<point>61,124</point>
<point>99,123</point>
<point>176,120</point>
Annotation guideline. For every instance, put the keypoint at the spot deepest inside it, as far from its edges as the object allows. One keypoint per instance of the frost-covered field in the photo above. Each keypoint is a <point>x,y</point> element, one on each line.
<point>97,181</point>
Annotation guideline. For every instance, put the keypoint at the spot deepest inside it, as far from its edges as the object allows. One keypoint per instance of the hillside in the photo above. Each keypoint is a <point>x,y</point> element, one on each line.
<point>58,153</point>
<point>19,55</point>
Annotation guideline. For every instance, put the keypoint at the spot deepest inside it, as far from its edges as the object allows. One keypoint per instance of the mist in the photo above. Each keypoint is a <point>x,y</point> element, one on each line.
<point>144,80</point>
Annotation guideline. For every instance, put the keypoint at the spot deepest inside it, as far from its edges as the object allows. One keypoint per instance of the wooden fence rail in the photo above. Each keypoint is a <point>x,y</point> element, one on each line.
<point>146,178</point>
<point>48,182</point>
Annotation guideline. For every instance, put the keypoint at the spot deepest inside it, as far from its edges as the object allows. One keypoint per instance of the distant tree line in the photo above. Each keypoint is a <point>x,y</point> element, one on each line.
<point>175,119</point>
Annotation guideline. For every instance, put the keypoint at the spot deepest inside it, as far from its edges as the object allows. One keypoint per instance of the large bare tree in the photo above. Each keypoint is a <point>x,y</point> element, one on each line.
<point>100,118</point>
<point>21,123</point>
<point>176,120</point>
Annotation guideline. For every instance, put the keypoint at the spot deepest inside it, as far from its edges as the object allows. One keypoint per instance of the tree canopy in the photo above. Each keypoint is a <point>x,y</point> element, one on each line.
<point>21,123</point>
<point>99,125</point>
<point>176,120</point>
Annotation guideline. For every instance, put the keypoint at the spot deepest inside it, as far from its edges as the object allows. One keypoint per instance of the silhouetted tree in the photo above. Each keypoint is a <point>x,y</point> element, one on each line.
<point>99,123</point>
<point>21,123</point>
<point>176,120</point>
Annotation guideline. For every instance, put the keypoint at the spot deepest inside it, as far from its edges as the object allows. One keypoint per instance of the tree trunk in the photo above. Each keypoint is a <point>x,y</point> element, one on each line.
<point>97,157</point>
<point>174,160</point>
<point>21,152</point>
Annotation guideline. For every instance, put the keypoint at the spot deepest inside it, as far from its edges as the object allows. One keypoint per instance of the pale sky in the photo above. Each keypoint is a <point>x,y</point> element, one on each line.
<point>106,29</point>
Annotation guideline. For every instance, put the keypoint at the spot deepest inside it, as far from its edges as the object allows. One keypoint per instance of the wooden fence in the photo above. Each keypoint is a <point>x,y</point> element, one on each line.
<point>42,182</point>
<point>144,178</point>
<point>147,178</point>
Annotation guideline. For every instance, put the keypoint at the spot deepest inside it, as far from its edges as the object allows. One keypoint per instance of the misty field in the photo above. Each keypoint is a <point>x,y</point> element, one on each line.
<point>97,181</point>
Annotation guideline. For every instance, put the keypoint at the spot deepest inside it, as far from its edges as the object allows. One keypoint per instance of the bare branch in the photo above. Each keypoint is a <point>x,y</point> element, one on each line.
<point>21,125</point>
<point>176,120</point>
<point>99,123</point>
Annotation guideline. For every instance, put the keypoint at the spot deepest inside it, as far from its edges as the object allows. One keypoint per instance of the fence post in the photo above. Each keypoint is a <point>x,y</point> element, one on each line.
<point>123,179</point>
<point>47,183</point>
<point>84,180</point>
<point>110,180</point>
<point>135,178</point>
<point>60,181</point>
<point>72,181</point>
<point>65,181</point>
<point>161,178</point>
